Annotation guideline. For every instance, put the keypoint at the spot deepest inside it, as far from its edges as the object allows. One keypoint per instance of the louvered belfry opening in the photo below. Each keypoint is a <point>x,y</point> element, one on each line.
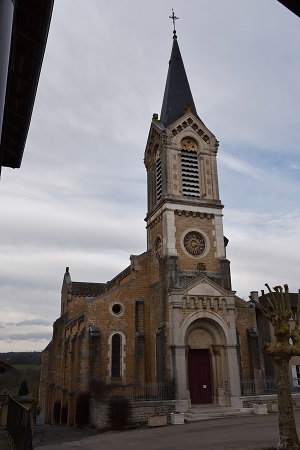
<point>190,173</point>
<point>158,178</point>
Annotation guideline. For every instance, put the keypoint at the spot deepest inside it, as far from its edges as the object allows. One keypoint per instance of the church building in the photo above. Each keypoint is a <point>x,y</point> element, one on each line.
<point>172,313</point>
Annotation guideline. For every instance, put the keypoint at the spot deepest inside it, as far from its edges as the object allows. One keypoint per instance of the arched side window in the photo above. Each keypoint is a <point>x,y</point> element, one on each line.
<point>189,169</point>
<point>116,357</point>
<point>158,177</point>
<point>116,363</point>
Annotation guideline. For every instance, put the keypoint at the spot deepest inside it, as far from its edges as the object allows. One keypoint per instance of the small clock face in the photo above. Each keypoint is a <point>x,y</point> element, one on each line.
<point>194,243</point>
<point>157,247</point>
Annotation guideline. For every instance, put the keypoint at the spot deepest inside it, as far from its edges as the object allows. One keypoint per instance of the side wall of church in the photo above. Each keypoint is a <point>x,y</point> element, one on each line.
<point>44,386</point>
<point>246,321</point>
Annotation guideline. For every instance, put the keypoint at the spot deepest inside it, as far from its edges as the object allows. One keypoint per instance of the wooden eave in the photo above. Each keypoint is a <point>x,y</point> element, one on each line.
<point>28,42</point>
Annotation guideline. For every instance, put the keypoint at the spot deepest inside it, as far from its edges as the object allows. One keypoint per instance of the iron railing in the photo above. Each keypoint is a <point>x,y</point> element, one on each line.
<point>18,425</point>
<point>153,391</point>
<point>266,386</point>
<point>134,392</point>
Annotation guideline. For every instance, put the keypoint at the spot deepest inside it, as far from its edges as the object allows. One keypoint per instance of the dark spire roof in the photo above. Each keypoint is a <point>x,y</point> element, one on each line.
<point>177,91</point>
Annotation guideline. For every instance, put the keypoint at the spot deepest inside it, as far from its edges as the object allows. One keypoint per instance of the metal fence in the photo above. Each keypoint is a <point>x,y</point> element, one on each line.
<point>266,386</point>
<point>153,391</point>
<point>134,392</point>
<point>18,425</point>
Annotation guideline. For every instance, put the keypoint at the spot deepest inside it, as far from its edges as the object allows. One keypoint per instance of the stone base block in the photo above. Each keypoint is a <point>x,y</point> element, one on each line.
<point>157,421</point>
<point>273,407</point>
<point>177,419</point>
<point>181,406</point>
<point>260,409</point>
<point>39,420</point>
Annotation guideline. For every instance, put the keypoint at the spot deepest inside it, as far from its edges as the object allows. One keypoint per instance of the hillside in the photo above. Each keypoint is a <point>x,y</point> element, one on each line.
<point>26,366</point>
<point>21,357</point>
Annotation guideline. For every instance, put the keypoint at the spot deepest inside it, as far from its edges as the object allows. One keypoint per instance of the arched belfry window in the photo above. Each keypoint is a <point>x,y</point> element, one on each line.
<point>189,168</point>
<point>116,357</point>
<point>158,176</point>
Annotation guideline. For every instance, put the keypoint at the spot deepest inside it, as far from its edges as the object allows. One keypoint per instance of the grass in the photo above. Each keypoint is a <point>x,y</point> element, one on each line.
<point>23,367</point>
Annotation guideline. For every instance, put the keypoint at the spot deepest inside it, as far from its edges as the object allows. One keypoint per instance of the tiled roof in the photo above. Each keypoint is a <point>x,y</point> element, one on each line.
<point>79,287</point>
<point>293,299</point>
<point>177,91</point>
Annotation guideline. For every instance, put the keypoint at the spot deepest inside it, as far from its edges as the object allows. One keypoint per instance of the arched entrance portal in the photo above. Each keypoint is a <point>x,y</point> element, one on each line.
<point>205,341</point>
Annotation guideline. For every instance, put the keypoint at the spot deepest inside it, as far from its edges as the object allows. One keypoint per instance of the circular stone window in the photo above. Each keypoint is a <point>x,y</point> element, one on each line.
<point>117,308</point>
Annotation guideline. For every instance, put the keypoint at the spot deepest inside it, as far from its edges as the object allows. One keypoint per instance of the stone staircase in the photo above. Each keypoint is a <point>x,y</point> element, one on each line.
<point>196,413</point>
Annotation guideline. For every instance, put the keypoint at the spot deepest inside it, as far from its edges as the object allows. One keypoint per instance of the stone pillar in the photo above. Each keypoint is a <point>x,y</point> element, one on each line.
<point>218,367</point>
<point>214,371</point>
<point>233,371</point>
<point>180,371</point>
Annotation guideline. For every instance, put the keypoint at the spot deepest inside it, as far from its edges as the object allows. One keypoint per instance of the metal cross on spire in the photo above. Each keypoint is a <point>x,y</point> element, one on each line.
<point>173,17</point>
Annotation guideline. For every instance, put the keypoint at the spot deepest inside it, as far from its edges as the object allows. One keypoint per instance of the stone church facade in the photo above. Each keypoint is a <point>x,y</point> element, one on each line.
<point>172,314</point>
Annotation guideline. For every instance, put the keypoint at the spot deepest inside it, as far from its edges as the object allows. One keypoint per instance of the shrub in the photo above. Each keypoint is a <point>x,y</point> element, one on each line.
<point>98,390</point>
<point>56,412</point>
<point>64,414</point>
<point>23,390</point>
<point>118,412</point>
<point>82,409</point>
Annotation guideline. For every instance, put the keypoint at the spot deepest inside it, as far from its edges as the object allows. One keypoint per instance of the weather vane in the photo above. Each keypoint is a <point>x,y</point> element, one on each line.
<point>173,17</point>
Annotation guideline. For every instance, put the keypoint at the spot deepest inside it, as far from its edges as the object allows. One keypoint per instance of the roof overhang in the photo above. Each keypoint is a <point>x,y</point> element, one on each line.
<point>30,29</point>
<point>292,5</point>
<point>4,367</point>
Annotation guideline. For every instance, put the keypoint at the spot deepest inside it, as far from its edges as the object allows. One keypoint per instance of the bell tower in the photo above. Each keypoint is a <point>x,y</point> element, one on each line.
<point>184,218</point>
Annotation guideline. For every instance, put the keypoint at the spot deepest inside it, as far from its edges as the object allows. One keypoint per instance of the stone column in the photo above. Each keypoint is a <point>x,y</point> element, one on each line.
<point>214,372</point>
<point>233,371</point>
<point>218,368</point>
<point>180,371</point>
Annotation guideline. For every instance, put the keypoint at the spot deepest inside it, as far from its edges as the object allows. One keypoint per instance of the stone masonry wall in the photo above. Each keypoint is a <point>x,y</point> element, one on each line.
<point>245,320</point>
<point>140,411</point>
<point>205,224</point>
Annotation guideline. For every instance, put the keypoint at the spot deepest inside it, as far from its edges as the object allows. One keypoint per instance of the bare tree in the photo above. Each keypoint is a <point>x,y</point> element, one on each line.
<point>277,309</point>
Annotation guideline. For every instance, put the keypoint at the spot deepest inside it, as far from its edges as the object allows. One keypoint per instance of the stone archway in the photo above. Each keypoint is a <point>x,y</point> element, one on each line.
<point>207,330</point>
<point>205,342</point>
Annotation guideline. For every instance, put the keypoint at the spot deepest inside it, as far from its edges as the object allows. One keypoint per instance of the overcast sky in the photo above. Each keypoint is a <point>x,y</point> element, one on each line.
<point>79,198</point>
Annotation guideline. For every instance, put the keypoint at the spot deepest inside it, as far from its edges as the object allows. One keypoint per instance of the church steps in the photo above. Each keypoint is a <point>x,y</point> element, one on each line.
<point>208,412</point>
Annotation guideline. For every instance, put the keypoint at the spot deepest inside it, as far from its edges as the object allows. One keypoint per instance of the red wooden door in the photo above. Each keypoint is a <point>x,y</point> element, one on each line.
<point>199,376</point>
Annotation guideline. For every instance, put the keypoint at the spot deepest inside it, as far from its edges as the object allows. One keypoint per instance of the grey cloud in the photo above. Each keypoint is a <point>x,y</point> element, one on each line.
<point>32,337</point>
<point>39,322</point>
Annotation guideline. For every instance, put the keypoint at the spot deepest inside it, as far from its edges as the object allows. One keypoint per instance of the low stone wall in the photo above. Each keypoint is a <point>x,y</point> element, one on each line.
<point>140,411</point>
<point>251,400</point>
<point>98,414</point>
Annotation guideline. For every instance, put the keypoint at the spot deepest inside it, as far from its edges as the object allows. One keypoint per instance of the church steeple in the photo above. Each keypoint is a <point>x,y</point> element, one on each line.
<point>184,218</point>
<point>177,91</point>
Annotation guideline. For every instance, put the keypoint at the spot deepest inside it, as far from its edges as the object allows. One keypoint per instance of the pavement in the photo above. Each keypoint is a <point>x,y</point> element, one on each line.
<point>245,432</point>
<point>4,442</point>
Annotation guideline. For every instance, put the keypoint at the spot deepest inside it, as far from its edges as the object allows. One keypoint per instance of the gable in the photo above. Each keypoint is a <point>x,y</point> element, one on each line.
<point>191,124</point>
<point>204,286</point>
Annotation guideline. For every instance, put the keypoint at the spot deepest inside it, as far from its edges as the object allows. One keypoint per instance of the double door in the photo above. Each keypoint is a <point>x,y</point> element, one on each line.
<point>199,376</point>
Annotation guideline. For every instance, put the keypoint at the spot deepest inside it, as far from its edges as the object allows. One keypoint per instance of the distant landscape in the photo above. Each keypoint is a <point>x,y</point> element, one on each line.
<point>26,366</point>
